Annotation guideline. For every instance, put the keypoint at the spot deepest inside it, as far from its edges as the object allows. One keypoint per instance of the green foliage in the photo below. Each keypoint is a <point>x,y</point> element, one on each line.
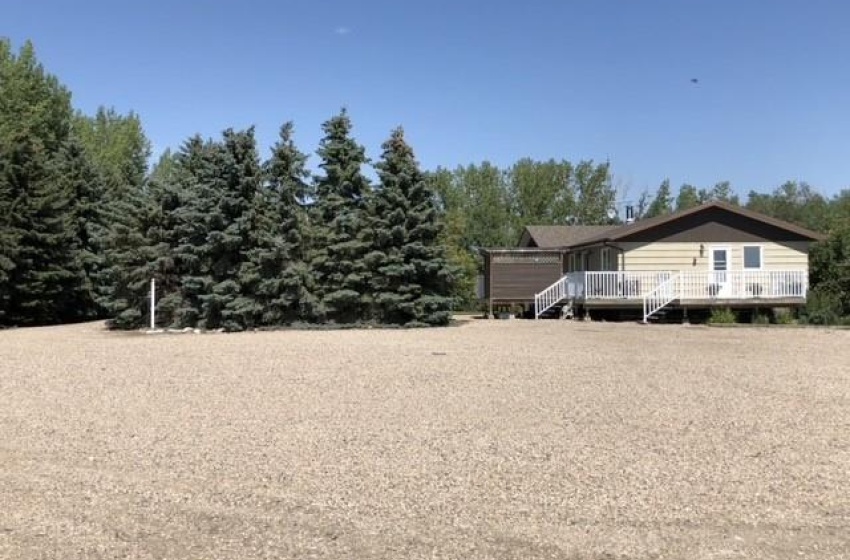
<point>462,260</point>
<point>722,192</point>
<point>215,231</point>
<point>411,279</point>
<point>339,216</point>
<point>829,262</point>
<point>595,193</point>
<point>117,146</point>
<point>277,286</point>
<point>796,203</point>
<point>662,203</point>
<point>688,197</point>
<point>784,317</point>
<point>539,193</point>
<point>483,195</point>
<point>721,316</point>
<point>42,278</point>
<point>823,307</point>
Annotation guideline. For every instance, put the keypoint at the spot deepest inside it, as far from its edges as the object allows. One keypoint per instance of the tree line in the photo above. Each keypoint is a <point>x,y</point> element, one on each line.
<point>237,241</point>
<point>234,241</point>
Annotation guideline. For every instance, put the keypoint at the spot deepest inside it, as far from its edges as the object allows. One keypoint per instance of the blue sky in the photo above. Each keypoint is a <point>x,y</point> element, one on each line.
<point>481,80</point>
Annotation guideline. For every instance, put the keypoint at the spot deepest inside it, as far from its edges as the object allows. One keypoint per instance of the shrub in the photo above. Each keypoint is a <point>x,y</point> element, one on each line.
<point>822,308</point>
<point>724,316</point>
<point>784,317</point>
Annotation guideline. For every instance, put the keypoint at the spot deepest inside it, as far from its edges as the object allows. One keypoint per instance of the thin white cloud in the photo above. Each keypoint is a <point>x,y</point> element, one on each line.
<point>342,30</point>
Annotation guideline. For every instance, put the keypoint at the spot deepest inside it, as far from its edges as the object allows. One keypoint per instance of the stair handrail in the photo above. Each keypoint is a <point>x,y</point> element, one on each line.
<point>659,297</point>
<point>550,296</point>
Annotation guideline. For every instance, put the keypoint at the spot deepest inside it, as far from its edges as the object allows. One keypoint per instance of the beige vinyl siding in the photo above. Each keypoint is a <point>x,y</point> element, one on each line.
<point>686,256</point>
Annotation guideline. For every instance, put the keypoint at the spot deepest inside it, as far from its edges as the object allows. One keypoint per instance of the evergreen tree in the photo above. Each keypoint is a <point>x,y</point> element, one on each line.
<point>276,274</point>
<point>662,203</point>
<point>412,279</point>
<point>76,176</point>
<point>41,273</point>
<point>339,214</point>
<point>215,232</point>
<point>688,198</point>
<point>131,255</point>
<point>183,261</point>
<point>47,283</point>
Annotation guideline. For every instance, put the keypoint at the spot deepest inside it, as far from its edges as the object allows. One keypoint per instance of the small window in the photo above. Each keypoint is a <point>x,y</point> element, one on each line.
<point>752,256</point>
<point>572,266</point>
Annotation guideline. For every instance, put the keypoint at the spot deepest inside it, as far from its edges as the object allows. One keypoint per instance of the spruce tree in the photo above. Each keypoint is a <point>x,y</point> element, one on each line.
<point>412,278</point>
<point>118,150</point>
<point>89,224</point>
<point>276,284</point>
<point>48,279</point>
<point>221,180</point>
<point>343,280</point>
<point>41,273</point>
<point>182,236</point>
<point>133,249</point>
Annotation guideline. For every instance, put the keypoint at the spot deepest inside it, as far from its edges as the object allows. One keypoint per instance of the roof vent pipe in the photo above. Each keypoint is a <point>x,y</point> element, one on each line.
<point>630,214</point>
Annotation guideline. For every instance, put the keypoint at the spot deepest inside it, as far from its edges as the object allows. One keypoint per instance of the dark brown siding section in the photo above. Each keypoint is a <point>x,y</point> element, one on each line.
<point>518,277</point>
<point>714,226</point>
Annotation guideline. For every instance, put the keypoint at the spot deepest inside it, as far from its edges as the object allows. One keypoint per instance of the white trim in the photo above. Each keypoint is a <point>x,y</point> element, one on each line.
<point>712,248</point>
<point>723,287</point>
<point>744,256</point>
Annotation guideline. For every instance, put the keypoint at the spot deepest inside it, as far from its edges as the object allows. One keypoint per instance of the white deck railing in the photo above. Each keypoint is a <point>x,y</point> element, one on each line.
<point>619,285</point>
<point>655,287</point>
<point>743,284</point>
<point>740,284</point>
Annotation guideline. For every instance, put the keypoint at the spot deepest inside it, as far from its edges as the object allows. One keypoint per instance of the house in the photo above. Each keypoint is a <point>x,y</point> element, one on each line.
<point>712,255</point>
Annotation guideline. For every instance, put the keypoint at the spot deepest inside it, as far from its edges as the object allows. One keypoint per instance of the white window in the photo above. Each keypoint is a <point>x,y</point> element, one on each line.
<point>752,257</point>
<point>572,266</point>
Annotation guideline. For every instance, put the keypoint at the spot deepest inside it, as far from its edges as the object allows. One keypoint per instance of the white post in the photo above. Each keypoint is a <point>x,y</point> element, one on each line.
<point>153,304</point>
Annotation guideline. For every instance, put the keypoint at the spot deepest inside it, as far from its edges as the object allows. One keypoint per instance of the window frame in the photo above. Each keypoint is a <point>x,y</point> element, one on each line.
<point>760,249</point>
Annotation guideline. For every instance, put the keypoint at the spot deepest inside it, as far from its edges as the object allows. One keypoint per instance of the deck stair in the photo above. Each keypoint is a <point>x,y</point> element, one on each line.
<point>551,296</point>
<point>660,297</point>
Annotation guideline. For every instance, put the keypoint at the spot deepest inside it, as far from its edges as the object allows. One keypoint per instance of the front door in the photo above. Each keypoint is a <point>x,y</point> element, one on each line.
<point>719,282</point>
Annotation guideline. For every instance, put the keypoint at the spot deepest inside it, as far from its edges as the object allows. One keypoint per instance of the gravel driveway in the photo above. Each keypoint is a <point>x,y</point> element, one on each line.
<point>493,439</point>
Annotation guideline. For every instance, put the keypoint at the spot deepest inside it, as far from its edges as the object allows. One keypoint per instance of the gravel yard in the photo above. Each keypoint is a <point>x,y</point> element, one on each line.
<point>493,439</point>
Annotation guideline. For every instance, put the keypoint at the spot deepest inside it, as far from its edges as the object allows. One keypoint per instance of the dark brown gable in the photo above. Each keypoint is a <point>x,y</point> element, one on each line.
<point>714,224</point>
<point>527,240</point>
